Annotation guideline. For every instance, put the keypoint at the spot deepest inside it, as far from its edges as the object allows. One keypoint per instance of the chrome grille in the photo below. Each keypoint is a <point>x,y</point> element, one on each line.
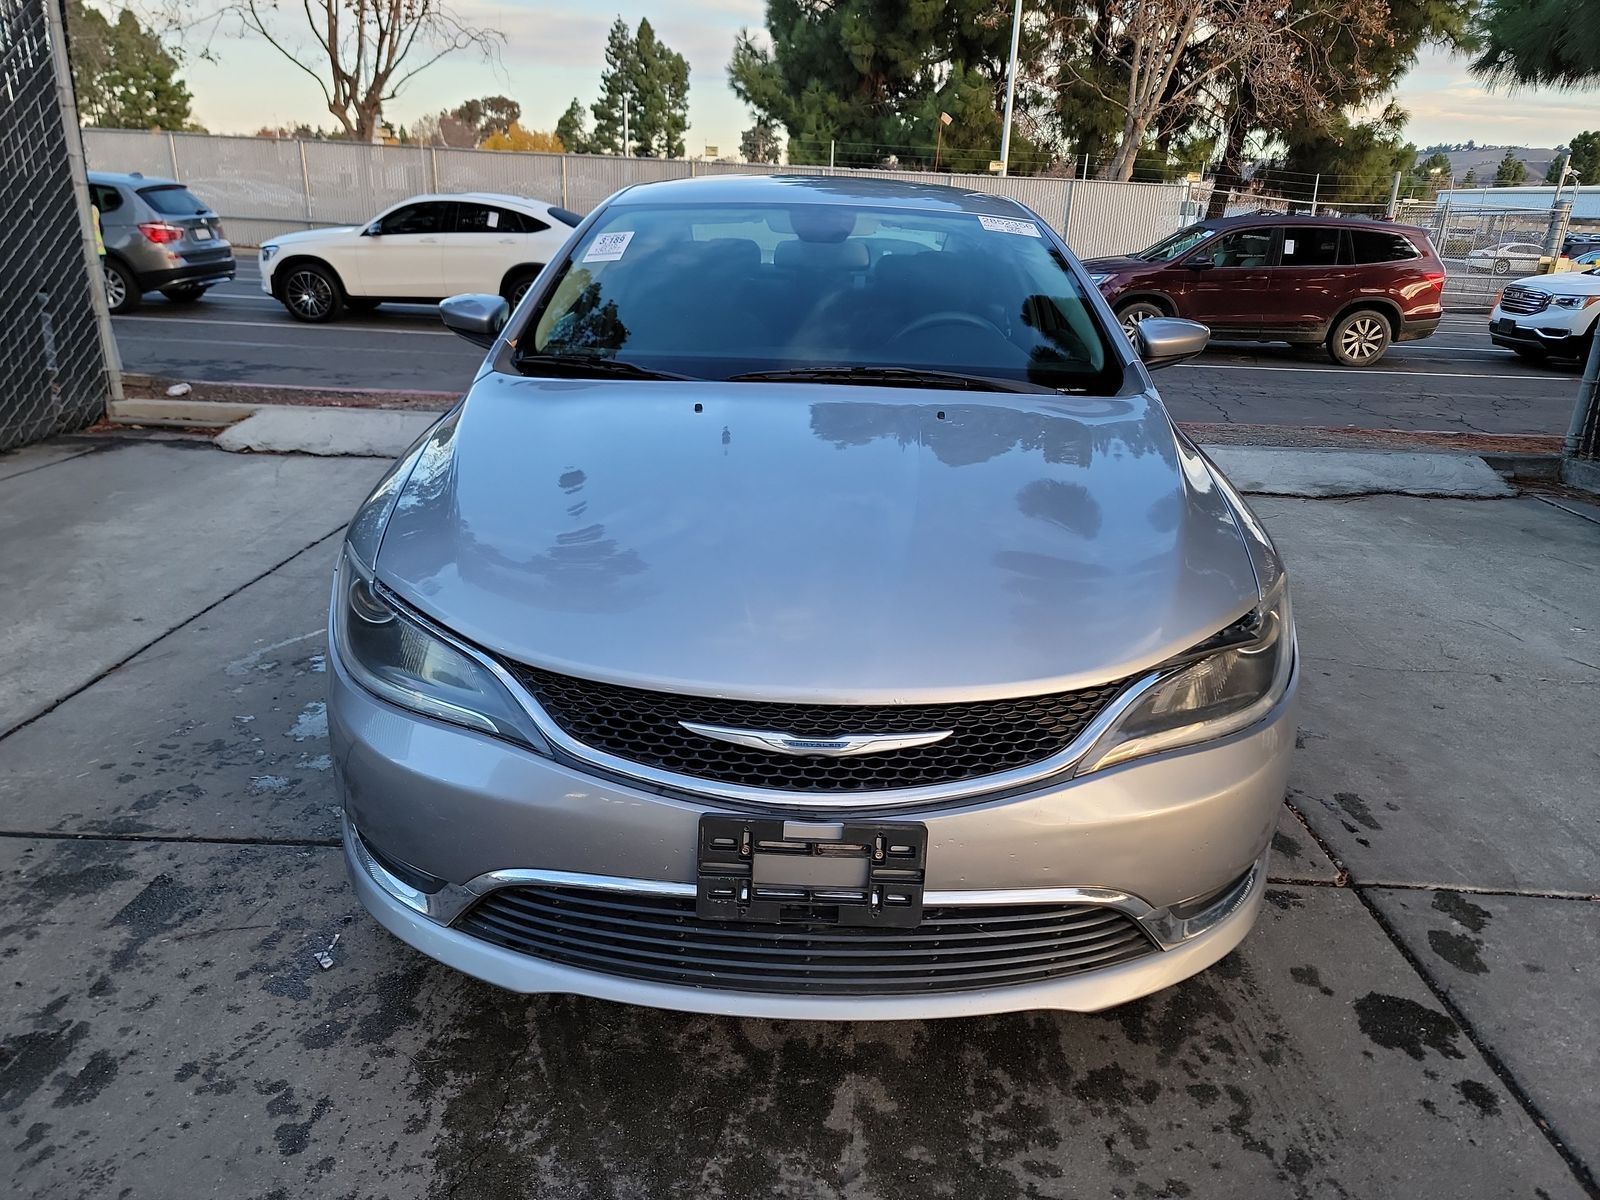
<point>1524,300</point>
<point>660,939</point>
<point>987,736</point>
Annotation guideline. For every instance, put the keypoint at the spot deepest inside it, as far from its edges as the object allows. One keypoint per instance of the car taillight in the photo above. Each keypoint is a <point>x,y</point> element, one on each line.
<point>160,233</point>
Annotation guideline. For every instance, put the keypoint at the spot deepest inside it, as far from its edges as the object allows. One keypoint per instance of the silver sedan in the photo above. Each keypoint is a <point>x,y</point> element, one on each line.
<point>811,611</point>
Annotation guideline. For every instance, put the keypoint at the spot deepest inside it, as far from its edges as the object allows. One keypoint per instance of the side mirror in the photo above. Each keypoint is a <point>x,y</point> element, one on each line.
<point>1163,341</point>
<point>1201,263</point>
<point>373,230</point>
<point>478,317</point>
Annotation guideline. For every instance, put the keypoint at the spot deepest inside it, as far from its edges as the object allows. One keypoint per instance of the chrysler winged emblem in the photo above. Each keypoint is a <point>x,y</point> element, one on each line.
<point>842,746</point>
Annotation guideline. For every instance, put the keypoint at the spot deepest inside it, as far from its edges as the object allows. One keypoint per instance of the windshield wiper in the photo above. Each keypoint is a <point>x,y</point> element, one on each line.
<point>891,376</point>
<point>593,365</point>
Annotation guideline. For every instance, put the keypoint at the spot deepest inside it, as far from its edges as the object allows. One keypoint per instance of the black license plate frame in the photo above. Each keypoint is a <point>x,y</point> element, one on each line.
<point>894,853</point>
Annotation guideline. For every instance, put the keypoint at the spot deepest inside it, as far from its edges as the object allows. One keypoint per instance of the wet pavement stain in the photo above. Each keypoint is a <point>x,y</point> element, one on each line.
<point>1356,808</point>
<point>1310,977</point>
<point>1460,950</point>
<point>1480,1097</point>
<point>1398,1023</point>
<point>1462,911</point>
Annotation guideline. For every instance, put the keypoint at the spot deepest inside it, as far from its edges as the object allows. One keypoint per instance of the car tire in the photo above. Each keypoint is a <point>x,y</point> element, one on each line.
<point>312,293</point>
<point>517,285</point>
<point>1502,266</point>
<point>122,289</point>
<point>183,293</point>
<point>1131,314</point>
<point>1359,339</point>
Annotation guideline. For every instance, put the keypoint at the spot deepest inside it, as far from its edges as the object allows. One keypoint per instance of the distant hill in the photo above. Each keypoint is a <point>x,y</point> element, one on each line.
<point>1486,161</point>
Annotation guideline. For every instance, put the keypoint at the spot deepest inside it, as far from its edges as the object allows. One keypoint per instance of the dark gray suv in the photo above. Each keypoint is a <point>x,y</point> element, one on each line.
<point>158,237</point>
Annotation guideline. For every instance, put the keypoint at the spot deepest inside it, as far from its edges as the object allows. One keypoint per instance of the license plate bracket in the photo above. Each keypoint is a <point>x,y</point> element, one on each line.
<point>1504,325</point>
<point>770,871</point>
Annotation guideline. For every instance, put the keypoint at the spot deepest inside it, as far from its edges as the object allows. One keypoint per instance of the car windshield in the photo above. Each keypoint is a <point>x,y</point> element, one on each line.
<point>1174,244</point>
<point>822,292</point>
<point>173,200</point>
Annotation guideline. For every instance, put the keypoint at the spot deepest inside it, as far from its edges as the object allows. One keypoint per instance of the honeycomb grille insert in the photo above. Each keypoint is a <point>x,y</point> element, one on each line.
<point>660,939</point>
<point>642,726</point>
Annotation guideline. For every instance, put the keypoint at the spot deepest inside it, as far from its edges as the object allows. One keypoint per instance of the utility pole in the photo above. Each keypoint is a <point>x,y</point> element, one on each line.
<point>624,124</point>
<point>1011,86</point>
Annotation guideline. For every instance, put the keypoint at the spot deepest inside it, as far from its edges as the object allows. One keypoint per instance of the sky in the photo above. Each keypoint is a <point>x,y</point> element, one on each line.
<point>555,51</point>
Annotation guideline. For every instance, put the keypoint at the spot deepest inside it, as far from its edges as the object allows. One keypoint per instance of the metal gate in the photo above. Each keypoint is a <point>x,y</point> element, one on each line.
<point>57,360</point>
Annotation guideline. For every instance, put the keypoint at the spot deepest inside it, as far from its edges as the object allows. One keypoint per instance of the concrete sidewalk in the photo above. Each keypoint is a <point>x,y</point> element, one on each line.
<point>1412,1018</point>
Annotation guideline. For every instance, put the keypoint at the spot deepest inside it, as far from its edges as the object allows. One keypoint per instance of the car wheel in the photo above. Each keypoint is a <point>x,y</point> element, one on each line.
<point>122,290</point>
<point>1131,316</point>
<point>1360,339</point>
<point>311,293</point>
<point>1502,266</point>
<point>517,287</point>
<point>184,293</point>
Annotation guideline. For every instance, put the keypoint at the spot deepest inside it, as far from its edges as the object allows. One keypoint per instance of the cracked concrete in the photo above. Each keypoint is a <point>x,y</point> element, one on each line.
<point>163,1017</point>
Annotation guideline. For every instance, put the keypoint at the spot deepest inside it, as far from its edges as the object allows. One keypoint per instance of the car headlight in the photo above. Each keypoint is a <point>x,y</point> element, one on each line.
<point>268,252</point>
<point>1234,680</point>
<point>397,657</point>
<point>1576,301</point>
<point>1099,277</point>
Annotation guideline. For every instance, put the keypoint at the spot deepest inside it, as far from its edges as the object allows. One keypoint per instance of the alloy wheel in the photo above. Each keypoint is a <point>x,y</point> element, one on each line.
<point>116,289</point>
<point>1363,338</point>
<point>1135,315</point>
<point>309,294</point>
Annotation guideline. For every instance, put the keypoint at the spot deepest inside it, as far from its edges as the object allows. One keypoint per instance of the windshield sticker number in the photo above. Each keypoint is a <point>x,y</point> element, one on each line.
<point>1006,225</point>
<point>608,247</point>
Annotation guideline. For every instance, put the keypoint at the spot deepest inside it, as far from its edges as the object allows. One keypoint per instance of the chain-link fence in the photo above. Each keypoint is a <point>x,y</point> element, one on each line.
<point>55,375</point>
<point>263,187</point>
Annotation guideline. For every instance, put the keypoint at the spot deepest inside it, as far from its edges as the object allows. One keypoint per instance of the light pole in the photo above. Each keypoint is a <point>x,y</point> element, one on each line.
<point>938,145</point>
<point>1011,86</point>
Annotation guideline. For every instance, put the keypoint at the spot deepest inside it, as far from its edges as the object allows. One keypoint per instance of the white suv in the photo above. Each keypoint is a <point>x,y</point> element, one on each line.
<point>1547,315</point>
<point>420,251</point>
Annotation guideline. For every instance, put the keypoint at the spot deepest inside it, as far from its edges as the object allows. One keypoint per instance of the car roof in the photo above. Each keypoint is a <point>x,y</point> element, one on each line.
<point>817,189</point>
<point>1300,219</point>
<point>129,179</point>
<point>505,198</point>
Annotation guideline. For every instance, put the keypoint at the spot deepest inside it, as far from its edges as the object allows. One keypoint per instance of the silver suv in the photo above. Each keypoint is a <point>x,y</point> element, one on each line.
<point>159,237</point>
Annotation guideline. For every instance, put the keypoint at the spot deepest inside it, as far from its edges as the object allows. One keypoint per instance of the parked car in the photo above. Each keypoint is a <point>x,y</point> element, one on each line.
<point>1548,316</point>
<point>159,237</point>
<point>1575,244</point>
<point>1506,258</point>
<point>1353,287</point>
<point>416,252</point>
<point>786,629</point>
<point>1585,260</point>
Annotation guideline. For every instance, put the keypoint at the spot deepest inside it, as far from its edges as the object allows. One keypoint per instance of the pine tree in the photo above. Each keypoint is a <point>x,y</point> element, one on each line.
<point>616,86</point>
<point>123,76</point>
<point>572,130</point>
<point>1512,170</point>
<point>659,95</point>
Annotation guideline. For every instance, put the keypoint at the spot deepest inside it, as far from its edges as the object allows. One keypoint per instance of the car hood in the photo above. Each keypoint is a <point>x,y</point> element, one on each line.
<point>1116,265</point>
<point>305,236</point>
<point>803,542</point>
<point>1564,283</point>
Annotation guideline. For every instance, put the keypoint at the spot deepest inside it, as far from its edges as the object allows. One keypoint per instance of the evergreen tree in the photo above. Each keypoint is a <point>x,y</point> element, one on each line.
<point>572,129</point>
<point>615,85</point>
<point>1511,171</point>
<point>1470,179</point>
<point>759,143</point>
<point>123,76</point>
<point>1585,151</point>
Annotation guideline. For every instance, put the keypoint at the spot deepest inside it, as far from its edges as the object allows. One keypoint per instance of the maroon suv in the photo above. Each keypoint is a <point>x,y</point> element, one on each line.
<point>1351,285</point>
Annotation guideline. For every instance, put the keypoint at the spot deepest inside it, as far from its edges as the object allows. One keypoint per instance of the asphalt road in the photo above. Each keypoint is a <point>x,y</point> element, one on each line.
<point>1455,380</point>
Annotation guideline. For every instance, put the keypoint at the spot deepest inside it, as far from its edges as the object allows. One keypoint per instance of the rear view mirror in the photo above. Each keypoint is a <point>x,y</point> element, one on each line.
<point>1163,341</point>
<point>373,230</point>
<point>478,317</point>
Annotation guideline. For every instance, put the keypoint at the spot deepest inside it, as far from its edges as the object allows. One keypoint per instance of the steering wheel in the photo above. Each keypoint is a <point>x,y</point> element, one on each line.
<point>948,317</point>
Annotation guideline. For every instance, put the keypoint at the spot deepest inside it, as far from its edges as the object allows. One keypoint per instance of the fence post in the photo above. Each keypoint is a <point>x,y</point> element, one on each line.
<point>566,201</point>
<point>1316,186</point>
<point>433,169</point>
<point>1067,188</point>
<point>305,178</point>
<point>172,153</point>
<point>94,269</point>
<point>830,154</point>
<point>1394,199</point>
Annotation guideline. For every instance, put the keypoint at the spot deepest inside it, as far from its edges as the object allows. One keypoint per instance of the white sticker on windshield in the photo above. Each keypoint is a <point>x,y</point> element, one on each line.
<point>1288,245</point>
<point>1007,225</point>
<point>608,247</point>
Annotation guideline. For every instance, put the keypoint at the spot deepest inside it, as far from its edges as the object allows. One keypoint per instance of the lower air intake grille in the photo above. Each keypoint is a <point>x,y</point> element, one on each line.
<point>988,736</point>
<point>660,939</point>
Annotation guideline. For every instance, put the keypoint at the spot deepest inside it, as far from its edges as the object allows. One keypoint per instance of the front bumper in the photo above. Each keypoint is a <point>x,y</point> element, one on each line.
<point>475,812</point>
<point>1554,331</point>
